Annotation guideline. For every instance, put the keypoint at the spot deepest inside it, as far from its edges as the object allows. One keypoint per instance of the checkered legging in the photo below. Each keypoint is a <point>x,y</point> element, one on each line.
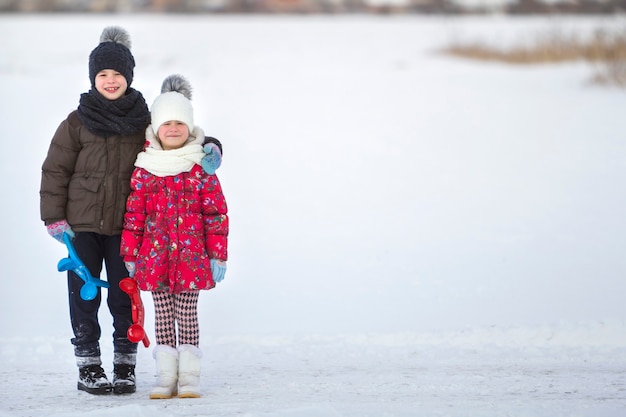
<point>172,310</point>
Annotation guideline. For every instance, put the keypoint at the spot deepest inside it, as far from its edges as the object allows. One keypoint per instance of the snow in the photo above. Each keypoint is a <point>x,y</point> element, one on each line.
<point>412,234</point>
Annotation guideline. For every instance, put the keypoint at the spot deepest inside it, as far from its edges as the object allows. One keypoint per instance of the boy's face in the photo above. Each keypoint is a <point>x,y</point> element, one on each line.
<point>111,84</point>
<point>173,134</point>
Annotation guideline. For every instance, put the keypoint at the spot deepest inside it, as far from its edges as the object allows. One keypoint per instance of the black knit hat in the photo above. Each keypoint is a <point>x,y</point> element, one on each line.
<point>113,52</point>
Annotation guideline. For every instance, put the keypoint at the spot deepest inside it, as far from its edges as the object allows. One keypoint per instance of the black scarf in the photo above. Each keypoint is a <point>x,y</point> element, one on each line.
<point>127,115</point>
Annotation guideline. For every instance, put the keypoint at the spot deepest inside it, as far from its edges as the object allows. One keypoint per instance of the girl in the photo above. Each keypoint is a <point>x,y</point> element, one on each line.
<point>175,235</point>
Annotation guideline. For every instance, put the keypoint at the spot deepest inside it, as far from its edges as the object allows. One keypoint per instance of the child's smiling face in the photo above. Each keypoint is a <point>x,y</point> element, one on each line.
<point>111,84</point>
<point>173,134</point>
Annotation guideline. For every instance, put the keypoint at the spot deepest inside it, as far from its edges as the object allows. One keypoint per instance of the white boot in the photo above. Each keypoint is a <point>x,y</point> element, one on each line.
<point>166,358</point>
<point>189,371</point>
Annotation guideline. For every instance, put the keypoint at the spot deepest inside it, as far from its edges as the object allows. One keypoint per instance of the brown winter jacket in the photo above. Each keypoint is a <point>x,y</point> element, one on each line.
<point>86,178</point>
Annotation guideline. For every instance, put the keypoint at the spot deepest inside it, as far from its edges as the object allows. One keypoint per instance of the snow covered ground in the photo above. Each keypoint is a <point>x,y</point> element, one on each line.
<point>359,376</point>
<point>412,234</point>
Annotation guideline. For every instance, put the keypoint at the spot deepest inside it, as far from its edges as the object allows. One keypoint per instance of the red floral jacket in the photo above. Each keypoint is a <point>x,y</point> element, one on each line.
<point>173,226</point>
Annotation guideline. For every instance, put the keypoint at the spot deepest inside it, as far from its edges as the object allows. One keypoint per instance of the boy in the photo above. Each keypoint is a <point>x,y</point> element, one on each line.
<point>84,185</point>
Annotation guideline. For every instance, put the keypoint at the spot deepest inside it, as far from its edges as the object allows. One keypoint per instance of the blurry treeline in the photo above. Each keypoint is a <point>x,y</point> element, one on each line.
<point>512,7</point>
<point>604,48</point>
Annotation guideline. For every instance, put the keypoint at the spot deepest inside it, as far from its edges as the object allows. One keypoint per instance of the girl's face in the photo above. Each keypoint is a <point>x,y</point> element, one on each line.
<point>111,84</point>
<point>173,134</point>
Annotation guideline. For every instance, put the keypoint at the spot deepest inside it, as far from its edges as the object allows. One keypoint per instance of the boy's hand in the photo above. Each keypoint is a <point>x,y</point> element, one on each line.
<point>213,159</point>
<point>57,229</point>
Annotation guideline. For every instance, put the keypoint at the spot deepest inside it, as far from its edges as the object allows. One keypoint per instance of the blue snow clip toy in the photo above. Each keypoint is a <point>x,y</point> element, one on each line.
<point>89,289</point>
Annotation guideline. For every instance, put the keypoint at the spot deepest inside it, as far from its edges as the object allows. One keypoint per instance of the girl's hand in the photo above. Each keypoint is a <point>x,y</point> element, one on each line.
<point>218,269</point>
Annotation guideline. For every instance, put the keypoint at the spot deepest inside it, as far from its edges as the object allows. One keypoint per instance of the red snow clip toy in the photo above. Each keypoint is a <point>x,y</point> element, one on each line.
<point>136,332</point>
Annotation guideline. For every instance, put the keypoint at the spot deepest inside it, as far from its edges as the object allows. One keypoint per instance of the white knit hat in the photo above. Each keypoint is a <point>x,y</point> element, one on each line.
<point>174,103</point>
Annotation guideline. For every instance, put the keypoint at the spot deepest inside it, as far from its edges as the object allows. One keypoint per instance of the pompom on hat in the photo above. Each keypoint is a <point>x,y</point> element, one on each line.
<point>113,52</point>
<point>174,103</point>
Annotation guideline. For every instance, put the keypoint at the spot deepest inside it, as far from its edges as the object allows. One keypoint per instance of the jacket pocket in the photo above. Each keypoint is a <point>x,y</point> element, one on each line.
<point>90,184</point>
<point>84,205</point>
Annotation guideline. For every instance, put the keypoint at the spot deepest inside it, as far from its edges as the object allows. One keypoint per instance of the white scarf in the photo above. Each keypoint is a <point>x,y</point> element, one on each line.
<point>162,163</point>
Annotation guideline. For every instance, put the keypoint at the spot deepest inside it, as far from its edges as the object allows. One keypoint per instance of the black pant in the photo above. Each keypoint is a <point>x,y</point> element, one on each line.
<point>93,249</point>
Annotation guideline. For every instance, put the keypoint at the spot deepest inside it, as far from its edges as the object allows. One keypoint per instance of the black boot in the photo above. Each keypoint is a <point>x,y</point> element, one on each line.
<point>123,379</point>
<point>92,379</point>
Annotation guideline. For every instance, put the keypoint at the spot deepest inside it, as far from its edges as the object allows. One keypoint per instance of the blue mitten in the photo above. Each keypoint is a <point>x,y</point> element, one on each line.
<point>213,159</point>
<point>57,229</point>
<point>130,267</point>
<point>218,269</point>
